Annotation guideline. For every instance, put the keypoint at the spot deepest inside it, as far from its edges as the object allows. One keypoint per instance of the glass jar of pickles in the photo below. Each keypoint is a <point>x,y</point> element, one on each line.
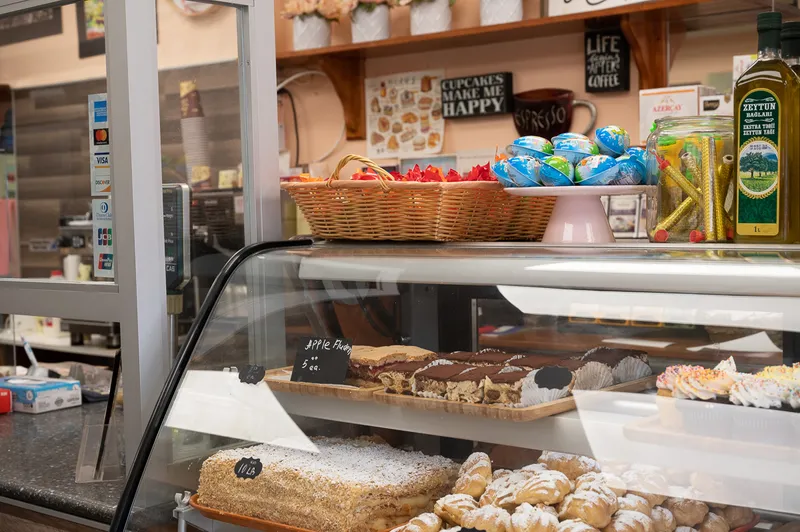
<point>691,161</point>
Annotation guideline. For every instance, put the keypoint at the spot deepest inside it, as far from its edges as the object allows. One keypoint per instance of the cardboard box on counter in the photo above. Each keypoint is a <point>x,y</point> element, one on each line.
<point>719,105</point>
<point>669,101</point>
<point>35,395</point>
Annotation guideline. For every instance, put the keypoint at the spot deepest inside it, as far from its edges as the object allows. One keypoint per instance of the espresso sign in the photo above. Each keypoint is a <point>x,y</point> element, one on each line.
<point>608,61</point>
<point>485,95</point>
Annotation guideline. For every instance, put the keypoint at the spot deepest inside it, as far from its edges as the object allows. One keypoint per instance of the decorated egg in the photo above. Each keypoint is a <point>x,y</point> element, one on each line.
<point>556,171</point>
<point>596,170</point>
<point>575,150</point>
<point>500,172</point>
<point>524,171</point>
<point>567,136</point>
<point>630,172</point>
<point>612,140</point>
<point>531,146</point>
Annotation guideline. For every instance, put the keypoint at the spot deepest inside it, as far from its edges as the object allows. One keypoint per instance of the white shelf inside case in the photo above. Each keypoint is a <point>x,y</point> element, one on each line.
<point>723,270</point>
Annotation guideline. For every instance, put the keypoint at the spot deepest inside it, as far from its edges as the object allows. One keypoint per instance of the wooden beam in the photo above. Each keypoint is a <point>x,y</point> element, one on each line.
<point>648,35</point>
<point>347,76</point>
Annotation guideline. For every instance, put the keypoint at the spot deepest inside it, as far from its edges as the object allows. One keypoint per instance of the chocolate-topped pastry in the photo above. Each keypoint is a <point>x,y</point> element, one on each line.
<point>432,380</point>
<point>366,363</point>
<point>467,386</point>
<point>537,360</point>
<point>589,375</point>
<point>546,384</point>
<point>626,364</point>
<point>491,357</point>
<point>505,386</point>
<point>462,357</point>
<point>396,378</point>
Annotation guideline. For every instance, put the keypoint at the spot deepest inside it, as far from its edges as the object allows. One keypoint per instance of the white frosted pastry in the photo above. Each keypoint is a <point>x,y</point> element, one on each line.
<point>663,520</point>
<point>424,523</point>
<point>704,384</point>
<point>527,518</point>
<point>588,506</point>
<point>634,503</point>
<point>489,519</point>
<point>452,508</point>
<point>728,365</point>
<point>628,521</point>
<point>687,512</point>
<point>572,465</point>
<point>648,484</point>
<point>760,393</point>
<point>575,525</point>
<point>545,487</point>
<point>713,523</point>
<point>615,483</point>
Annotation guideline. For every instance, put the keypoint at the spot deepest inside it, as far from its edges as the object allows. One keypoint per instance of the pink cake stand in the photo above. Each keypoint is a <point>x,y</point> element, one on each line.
<point>578,216</point>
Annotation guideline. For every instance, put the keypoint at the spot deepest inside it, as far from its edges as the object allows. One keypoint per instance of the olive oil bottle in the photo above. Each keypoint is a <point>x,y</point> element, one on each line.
<point>766,102</point>
<point>790,45</point>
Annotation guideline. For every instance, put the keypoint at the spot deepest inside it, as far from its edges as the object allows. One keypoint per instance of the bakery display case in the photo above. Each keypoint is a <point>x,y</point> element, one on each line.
<point>495,387</point>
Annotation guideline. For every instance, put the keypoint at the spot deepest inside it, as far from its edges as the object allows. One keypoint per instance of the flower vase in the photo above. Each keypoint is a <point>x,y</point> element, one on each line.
<point>430,16</point>
<point>500,11</point>
<point>371,24</point>
<point>311,32</point>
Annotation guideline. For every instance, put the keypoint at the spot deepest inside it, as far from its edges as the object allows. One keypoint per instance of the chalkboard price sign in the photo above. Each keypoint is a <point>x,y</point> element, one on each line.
<point>608,61</point>
<point>248,468</point>
<point>322,360</point>
<point>252,374</point>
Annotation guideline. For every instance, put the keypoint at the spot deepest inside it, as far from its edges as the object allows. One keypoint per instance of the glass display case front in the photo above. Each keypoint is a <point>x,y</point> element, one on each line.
<point>338,387</point>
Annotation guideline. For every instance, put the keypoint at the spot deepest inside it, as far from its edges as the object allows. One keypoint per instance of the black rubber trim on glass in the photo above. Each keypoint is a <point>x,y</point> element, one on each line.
<point>171,386</point>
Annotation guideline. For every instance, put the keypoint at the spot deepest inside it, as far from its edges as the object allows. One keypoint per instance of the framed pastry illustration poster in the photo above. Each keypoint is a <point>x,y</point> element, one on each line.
<point>404,114</point>
<point>91,28</point>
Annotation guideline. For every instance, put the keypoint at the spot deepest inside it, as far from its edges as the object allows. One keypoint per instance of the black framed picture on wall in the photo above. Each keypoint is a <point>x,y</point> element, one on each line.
<point>91,28</point>
<point>31,25</point>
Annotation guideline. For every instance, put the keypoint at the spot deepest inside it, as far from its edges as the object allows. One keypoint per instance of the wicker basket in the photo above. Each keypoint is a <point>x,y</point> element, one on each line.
<point>385,209</point>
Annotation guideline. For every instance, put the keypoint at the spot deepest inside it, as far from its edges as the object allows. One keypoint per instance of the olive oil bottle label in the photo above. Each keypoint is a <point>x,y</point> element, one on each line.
<point>759,164</point>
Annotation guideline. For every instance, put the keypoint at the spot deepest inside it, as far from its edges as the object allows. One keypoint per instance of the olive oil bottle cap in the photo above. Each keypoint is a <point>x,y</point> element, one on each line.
<point>790,39</point>
<point>769,30</point>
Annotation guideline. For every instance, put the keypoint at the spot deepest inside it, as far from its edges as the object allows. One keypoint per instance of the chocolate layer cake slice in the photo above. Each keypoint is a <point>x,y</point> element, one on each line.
<point>396,378</point>
<point>366,363</point>
<point>467,386</point>
<point>432,381</point>
<point>505,386</point>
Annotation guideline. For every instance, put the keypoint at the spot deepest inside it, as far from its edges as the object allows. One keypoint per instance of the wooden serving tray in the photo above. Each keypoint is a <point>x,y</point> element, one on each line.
<point>241,520</point>
<point>278,381</point>
<point>530,413</point>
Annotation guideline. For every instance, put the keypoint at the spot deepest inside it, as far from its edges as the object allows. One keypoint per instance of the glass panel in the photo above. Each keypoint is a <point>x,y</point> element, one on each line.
<point>58,148</point>
<point>526,370</point>
<point>201,137</point>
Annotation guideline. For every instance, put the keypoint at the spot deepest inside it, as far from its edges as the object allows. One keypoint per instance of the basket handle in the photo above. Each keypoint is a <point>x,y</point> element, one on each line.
<point>383,175</point>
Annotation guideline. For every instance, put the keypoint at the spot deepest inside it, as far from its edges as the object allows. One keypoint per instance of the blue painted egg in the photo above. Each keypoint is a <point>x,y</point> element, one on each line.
<point>567,136</point>
<point>538,147</point>
<point>631,172</point>
<point>575,150</point>
<point>612,140</point>
<point>500,172</point>
<point>556,171</point>
<point>596,170</point>
<point>524,171</point>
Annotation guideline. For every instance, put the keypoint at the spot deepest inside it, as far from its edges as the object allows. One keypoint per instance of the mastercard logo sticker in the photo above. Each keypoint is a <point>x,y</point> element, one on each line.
<point>101,136</point>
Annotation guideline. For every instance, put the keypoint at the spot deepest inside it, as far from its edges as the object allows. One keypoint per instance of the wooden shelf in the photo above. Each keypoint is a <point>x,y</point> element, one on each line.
<point>647,25</point>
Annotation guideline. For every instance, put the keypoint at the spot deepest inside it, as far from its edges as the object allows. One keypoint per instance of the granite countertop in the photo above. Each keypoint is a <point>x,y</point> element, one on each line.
<point>39,454</point>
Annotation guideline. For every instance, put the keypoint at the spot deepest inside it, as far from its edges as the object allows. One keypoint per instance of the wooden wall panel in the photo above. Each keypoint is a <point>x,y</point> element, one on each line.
<point>52,139</point>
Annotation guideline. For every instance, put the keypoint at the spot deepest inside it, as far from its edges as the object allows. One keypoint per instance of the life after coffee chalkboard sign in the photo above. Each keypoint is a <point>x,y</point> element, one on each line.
<point>608,61</point>
<point>322,360</point>
<point>484,95</point>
